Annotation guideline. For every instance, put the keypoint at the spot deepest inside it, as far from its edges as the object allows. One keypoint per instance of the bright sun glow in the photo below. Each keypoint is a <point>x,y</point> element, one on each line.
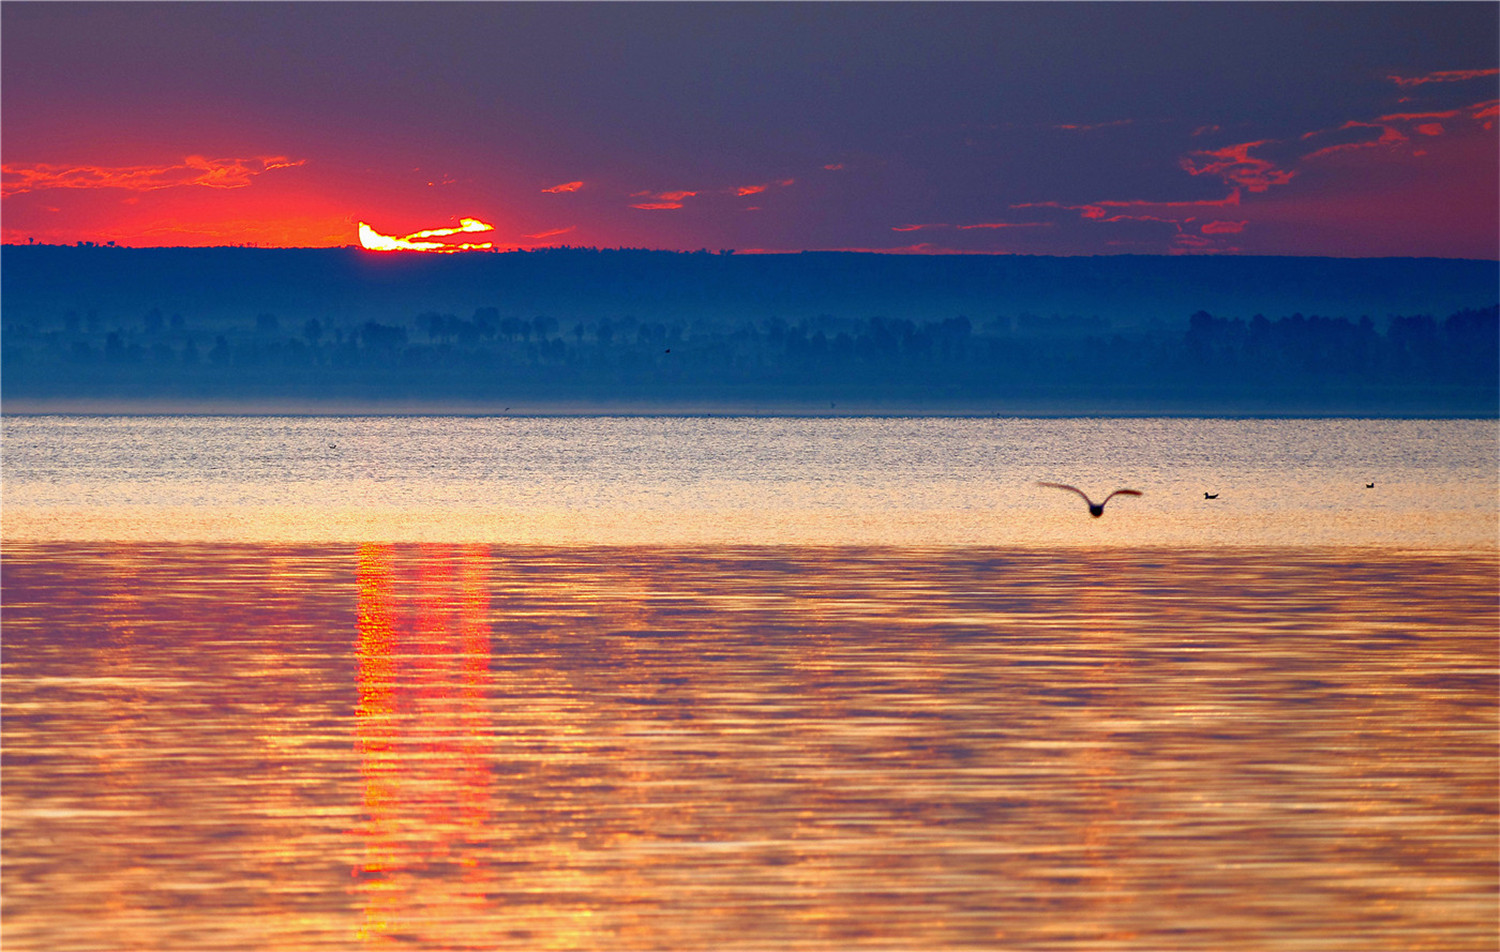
<point>373,240</point>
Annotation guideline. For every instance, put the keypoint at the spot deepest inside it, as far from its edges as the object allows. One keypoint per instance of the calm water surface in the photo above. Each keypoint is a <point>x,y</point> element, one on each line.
<point>501,684</point>
<point>669,481</point>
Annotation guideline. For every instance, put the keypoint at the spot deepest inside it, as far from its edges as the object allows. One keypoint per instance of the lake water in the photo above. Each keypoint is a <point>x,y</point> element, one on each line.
<point>741,480</point>
<point>734,683</point>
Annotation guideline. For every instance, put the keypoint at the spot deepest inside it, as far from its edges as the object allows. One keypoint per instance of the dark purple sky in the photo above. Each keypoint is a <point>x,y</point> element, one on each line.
<point>1053,128</point>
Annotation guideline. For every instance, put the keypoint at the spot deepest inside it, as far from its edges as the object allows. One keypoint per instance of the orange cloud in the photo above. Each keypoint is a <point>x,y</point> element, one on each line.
<point>1156,218</point>
<point>1235,164</point>
<point>1443,76</point>
<point>1096,210</point>
<point>981,225</point>
<point>1080,127</point>
<point>1185,243</point>
<point>1006,224</point>
<point>1391,128</point>
<point>1389,135</point>
<point>1223,227</point>
<point>564,187</point>
<point>193,170</point>
<point>1249,168</point>
<point>744,190</point>
<point>662,200</point>
<point>1175,215</point>
<point>1413,116</point>
<point>549,234</point>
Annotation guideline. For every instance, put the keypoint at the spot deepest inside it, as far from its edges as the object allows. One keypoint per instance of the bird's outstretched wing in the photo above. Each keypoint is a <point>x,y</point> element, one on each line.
<point>1121,492</point>
<point>1071,489</point>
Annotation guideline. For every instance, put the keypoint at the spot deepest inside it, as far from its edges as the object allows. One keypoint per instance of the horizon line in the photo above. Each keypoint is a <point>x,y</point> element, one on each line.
<point>723,252</point>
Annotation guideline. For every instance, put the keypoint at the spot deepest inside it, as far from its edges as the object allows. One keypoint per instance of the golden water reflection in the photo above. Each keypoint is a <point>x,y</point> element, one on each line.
<point>475,747</point>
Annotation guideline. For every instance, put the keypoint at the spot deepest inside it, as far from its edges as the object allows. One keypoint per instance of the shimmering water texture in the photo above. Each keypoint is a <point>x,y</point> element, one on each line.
<point>742,480</point>
<point>482,747</point>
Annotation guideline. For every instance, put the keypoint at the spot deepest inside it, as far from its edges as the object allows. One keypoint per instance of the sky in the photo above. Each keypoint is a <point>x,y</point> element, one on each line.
<point>1338,129</point>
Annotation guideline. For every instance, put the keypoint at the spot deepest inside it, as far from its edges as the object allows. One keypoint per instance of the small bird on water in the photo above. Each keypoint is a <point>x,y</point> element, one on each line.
<point>1210,495</point>
<point>1369,485</point>
<point>1096,509</point>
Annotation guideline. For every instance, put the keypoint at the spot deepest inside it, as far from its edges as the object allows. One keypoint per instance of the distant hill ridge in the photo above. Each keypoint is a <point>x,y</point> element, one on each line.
<point>245,328</point>
<point>38,282</point>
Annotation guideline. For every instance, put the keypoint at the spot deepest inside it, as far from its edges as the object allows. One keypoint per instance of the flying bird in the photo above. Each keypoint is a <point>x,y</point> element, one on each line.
<point>1096,509</point>
<point>1210,495</point>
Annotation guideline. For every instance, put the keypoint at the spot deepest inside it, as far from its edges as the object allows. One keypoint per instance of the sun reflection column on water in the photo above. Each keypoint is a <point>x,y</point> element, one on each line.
<point>1107,801</point>
<point>121,776</point>
<point>421,723</point>
<point>375,734</point>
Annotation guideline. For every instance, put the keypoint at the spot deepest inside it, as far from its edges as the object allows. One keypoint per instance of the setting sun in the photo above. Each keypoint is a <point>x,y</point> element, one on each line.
<point>372,240</point>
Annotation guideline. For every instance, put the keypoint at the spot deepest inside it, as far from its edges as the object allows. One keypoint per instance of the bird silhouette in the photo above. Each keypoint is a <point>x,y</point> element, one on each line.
<point>1210,495</point>
<point>1369,485</point>
<point>1096,509</point>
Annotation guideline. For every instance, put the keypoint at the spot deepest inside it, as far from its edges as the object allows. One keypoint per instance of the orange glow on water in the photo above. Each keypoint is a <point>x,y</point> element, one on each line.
<point>372,240</point>
<point>422,670</point>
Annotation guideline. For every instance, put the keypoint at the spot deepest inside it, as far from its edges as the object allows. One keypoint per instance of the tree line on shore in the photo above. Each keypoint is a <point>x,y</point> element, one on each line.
<point>490,354</point>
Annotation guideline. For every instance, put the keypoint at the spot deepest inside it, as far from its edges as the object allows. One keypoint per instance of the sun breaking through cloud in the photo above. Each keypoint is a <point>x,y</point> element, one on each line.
<point>373,240</point>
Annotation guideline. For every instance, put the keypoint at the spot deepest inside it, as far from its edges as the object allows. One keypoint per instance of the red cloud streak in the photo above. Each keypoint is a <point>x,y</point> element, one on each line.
<point>1235,164</point>
<point>1005,224</point>
<point>1223,227</point>
<point>1443,76</point>
<point>193,170</point>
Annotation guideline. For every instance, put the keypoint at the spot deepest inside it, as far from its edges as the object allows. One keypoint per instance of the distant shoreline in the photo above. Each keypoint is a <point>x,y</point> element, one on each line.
<point>869,409</point>
<point>583,332</point>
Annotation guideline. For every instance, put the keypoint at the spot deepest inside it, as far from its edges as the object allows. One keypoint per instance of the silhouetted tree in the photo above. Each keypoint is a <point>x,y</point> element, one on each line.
<point>382,337</point>
<point>486,321</point>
